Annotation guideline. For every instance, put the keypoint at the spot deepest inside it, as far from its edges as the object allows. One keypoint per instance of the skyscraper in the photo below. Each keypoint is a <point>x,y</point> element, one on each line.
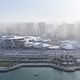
<point>71,31</point>
<point>60,32</point>
<point>41,29</point>
<point>28,29</point>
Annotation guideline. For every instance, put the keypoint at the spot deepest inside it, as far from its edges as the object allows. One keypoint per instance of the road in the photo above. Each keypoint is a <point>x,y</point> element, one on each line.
<point>37,51</point>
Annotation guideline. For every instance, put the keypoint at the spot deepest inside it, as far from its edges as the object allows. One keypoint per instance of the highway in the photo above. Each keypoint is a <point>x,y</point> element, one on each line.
<point>25,52</point>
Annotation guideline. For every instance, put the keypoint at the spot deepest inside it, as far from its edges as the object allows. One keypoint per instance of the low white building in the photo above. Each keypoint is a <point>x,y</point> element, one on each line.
<point>12,41</point>
<point>69,44</point>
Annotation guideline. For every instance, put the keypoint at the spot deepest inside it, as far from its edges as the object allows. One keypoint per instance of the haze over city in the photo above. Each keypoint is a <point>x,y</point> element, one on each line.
<point>49,17</point>
<point>39,39</point>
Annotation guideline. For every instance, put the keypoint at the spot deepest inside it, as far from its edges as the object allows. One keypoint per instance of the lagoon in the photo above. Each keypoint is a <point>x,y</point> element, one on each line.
<point>44,73</point>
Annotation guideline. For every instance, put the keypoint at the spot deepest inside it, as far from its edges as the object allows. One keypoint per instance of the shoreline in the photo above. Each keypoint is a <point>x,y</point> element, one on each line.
<point>65,69</point>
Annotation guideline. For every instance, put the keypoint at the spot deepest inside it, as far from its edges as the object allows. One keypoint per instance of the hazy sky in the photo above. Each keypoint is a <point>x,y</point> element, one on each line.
<point>39,10</point>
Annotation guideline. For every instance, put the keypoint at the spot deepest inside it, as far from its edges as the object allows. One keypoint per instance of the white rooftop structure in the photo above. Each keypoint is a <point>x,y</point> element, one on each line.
<point>70,44</point>
<point>12,41</point>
